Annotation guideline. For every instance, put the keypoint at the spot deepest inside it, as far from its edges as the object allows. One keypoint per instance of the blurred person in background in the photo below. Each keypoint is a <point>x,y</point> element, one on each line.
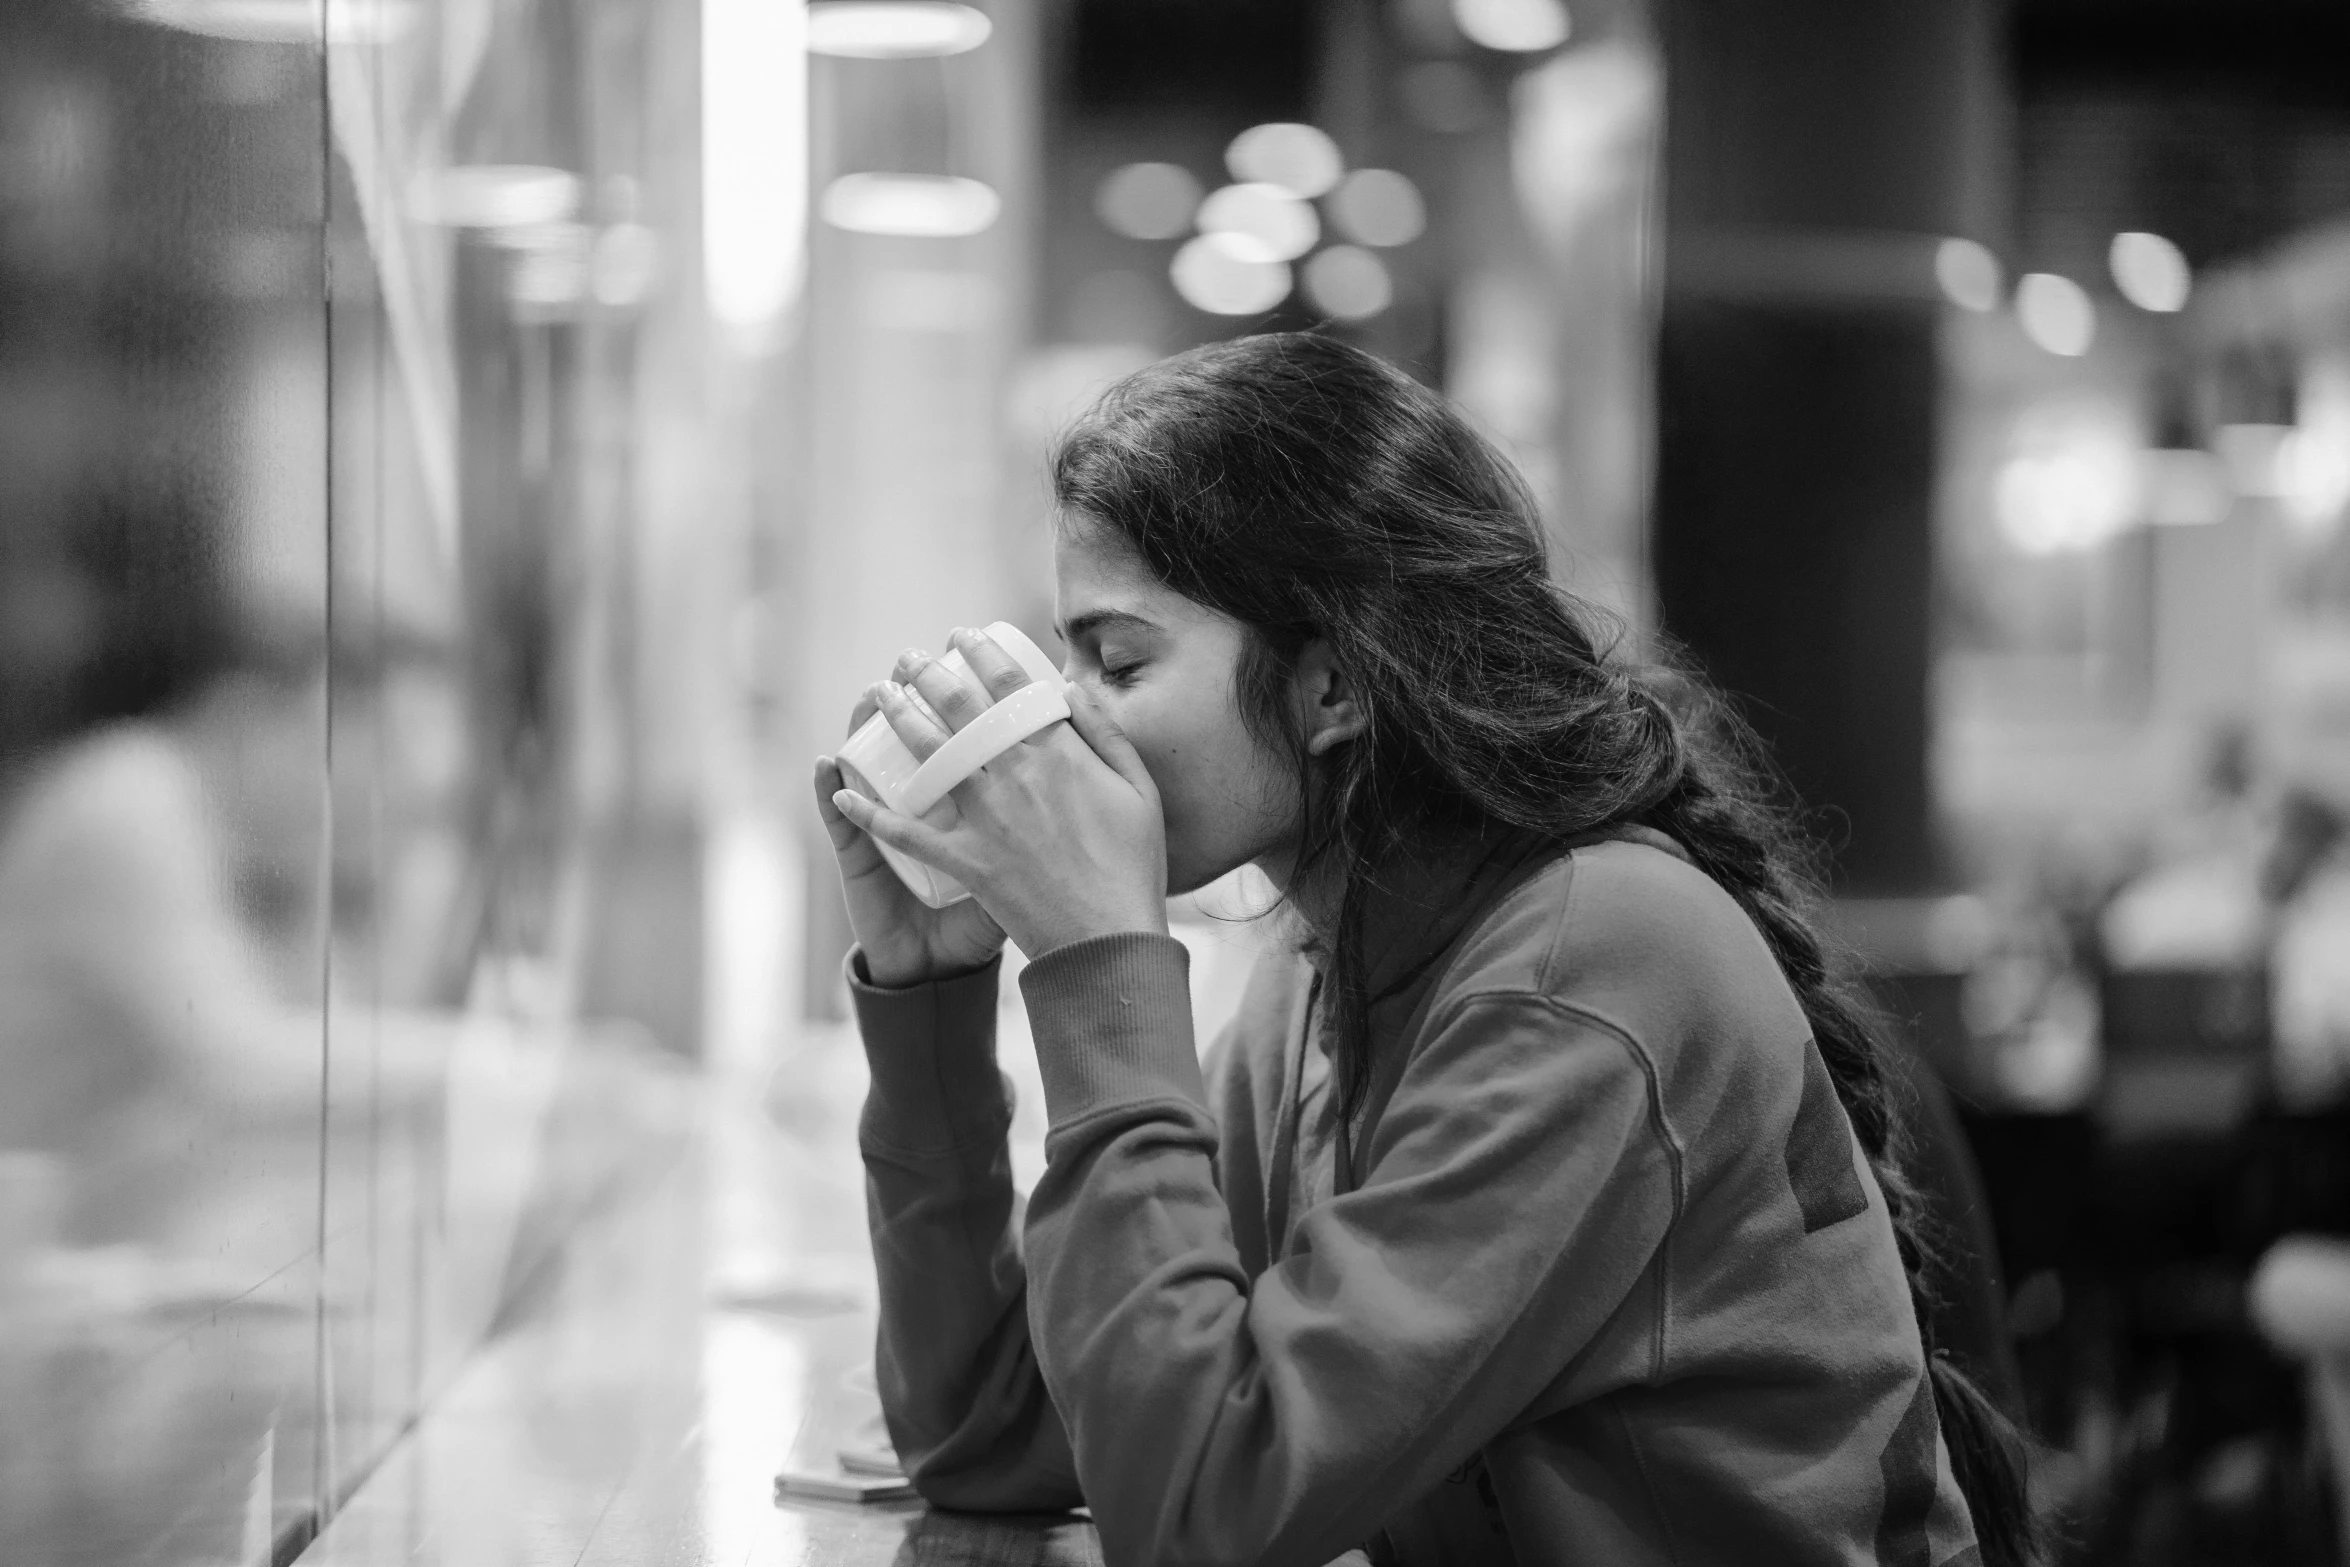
<point>2305,876</point>
<point>157,860</point>
<point>161,897</point>
<point>160,1033</point>
<point>1580,1229</point>
<point>2258,878</point>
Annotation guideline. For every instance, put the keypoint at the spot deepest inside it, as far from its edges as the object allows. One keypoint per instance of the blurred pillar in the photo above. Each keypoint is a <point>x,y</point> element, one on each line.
<point>914,319</point>
<point>1816,151</point>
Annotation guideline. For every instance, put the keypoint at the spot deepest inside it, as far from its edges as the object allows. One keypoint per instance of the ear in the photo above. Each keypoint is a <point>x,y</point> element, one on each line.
<point>1329,711</point>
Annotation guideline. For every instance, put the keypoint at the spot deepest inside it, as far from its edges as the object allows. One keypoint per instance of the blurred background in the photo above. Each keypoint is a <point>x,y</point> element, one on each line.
<point>460,458</point>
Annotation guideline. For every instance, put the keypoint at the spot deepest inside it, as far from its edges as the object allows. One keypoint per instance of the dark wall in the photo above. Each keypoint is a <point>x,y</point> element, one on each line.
<point>1793,554</point>
<point>1814,152</point>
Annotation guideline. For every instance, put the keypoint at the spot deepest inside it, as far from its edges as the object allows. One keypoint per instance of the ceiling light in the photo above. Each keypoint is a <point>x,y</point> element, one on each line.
<point>1259,222</point>
<point>496,196</point>
<point>1968,274</point>
<point>894,29</point>
<point>1210,276</point>
<point>1378,207</point>
<point>1347,283</point>
<point>281,21</point>
<point>910,206</point>
<point>2056,313</point>
<point>2149,271</point>
<point>754,164</point>
<point>1298,158</point>
<point>1513,26</point>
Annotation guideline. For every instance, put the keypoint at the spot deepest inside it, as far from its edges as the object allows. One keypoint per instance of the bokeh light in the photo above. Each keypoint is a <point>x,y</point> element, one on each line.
<point>1259,222</point>
<point>910,206</point>
<point>2067,500</point>
<point>2056,313</point>
<point>1378,207</point>
<point>283,21</point>
<point>1968,274</point>
<point>1299,158</point>
<point>1348,283</point>
<point>1513,26</point>
<point>2150,272</point>
<point>894,29</point>
<point>1147,200</point>
<point>497,195</point>
<point>1211,276</point>
<point>2314,476</point>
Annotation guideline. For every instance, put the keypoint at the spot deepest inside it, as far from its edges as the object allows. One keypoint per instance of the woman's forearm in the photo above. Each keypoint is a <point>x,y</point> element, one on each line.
<point>967,1409</point>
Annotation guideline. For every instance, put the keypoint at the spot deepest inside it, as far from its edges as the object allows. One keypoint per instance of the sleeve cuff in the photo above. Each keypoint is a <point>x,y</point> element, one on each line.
<point>931,1051</point>
<point>1112,1018</point>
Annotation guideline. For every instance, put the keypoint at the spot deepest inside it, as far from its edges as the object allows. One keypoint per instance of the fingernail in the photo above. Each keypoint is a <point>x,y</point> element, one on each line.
<point>841,799</point>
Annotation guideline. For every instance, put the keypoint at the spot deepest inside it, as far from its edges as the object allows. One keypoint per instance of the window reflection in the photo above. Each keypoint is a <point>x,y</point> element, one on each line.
<point>323,336</point>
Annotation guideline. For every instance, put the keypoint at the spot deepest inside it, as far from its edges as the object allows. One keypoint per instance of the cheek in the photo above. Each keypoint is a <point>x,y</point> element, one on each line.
<point>1211,774</point>
<point>1158,730</point>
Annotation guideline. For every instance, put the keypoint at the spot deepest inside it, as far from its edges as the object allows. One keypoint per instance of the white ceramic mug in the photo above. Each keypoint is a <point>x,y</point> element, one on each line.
<point>876,763</point>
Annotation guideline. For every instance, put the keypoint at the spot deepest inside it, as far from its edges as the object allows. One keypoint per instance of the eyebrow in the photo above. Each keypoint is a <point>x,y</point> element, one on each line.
<point>1095,620</point>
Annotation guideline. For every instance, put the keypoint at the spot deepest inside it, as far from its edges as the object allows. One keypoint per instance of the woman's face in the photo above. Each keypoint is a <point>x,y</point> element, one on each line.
<point>1166,668</point>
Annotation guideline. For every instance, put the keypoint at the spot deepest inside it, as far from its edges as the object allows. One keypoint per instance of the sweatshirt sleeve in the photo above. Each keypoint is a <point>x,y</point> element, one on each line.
<point>966,1408</point>
<point>1216,1418</point>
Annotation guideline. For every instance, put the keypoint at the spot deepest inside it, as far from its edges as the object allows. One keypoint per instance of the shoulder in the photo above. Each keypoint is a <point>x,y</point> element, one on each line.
<point>1634,937</point>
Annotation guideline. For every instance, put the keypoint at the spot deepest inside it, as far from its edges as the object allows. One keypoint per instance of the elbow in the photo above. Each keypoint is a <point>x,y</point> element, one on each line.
<point>992,1489</point>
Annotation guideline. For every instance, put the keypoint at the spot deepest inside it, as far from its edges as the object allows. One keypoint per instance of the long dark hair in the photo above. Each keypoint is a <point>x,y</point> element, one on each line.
<point>1308,490</point>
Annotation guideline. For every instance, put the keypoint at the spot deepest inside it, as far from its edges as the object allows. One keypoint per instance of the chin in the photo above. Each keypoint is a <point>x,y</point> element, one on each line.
<point>1181,880</point>
<point>1189,868</point>
<point>1189,871</point>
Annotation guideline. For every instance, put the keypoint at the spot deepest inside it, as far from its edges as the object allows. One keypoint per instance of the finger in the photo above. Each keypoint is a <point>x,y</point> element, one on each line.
<point>912,725</point>
<point>952,697</point>
<point>1099,730</point>
<point>854,849</point>
<point>867,706</point>
<point>902,833</point>
<point>997,670</point>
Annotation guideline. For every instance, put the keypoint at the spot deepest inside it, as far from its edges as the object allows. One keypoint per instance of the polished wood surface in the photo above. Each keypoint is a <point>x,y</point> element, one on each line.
<point>712,1327</point>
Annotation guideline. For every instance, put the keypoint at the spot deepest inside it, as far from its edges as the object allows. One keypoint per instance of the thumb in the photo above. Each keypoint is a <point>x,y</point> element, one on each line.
<point>1099,730</point>
<point>902,833</point>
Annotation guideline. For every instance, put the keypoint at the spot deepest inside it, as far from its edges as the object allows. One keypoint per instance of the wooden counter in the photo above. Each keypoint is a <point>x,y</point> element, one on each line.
<point>713,1326</point>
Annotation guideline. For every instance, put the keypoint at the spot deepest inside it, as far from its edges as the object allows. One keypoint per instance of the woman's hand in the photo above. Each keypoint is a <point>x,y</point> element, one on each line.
<point>905,941</point>
<point>1060,838</point>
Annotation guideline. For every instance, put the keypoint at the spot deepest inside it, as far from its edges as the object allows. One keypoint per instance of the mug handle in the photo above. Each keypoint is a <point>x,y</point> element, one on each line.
<point>980,742</point>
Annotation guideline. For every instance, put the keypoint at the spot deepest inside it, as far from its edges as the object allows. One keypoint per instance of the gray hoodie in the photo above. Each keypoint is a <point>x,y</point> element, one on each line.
<point>1601,1276</point>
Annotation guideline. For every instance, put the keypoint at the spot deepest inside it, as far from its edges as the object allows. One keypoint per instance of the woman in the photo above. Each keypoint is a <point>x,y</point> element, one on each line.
<point>1543,1207</point>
